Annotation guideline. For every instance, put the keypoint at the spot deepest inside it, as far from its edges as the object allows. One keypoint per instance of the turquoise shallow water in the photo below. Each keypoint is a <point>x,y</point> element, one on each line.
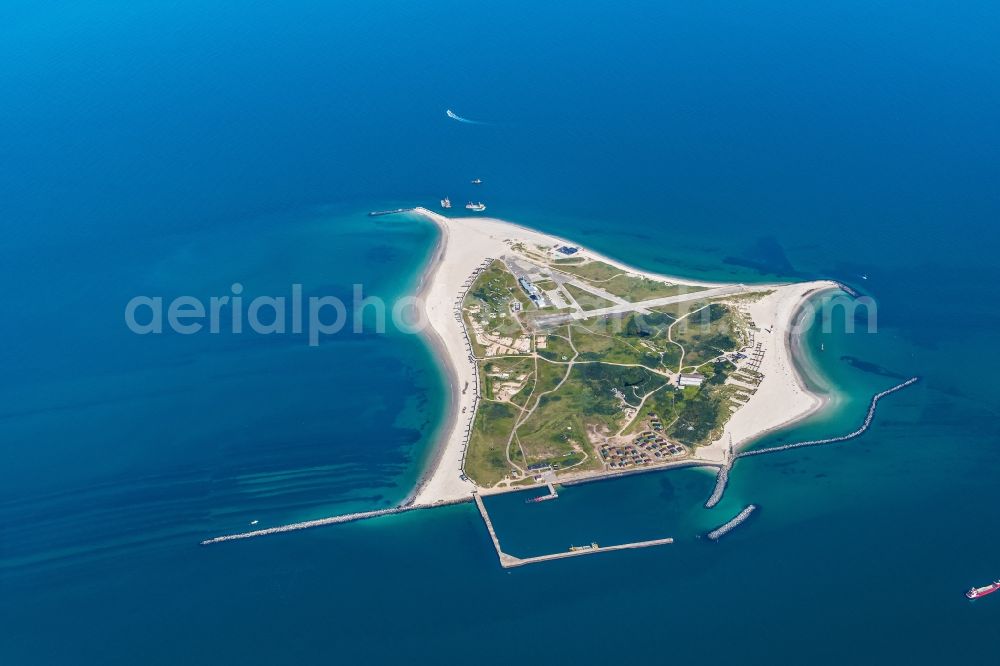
<point>154,149</point>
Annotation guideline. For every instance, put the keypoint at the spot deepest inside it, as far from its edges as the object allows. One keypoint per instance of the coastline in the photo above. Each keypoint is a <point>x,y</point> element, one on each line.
<point>782,399</point>
<point>433,458</point>
<point>796,355</point>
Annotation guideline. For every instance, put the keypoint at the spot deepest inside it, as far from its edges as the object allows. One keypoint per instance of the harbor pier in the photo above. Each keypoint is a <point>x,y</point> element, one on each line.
<point>508,561</point>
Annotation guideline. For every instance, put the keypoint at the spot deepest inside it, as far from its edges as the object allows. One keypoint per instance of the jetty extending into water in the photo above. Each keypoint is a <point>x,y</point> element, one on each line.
<point>723,530</point>
<point>376,213</point>
<point>721,481</point>
<point>508,561</point>
<point>842,438</point>
<point>332,520</point>
<point>544,498</point>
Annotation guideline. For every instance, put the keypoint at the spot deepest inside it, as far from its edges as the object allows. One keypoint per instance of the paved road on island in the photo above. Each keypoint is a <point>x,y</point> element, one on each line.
<point>645,305</point>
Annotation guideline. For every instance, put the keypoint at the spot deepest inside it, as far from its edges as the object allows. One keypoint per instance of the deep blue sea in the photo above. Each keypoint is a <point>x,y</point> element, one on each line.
<point>175,149</point>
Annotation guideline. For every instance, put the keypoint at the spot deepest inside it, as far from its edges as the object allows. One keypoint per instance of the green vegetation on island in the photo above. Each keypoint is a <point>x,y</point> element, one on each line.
<point>566,393</point>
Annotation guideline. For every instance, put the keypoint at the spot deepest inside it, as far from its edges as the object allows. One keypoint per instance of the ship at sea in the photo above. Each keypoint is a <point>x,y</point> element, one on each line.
<point>478,207</point>
<point>446,203</point>
<point>977,592</point>
<point>477,181</point>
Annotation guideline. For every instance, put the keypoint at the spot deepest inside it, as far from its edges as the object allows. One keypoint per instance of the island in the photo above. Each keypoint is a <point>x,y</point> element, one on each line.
<point>565,365</point>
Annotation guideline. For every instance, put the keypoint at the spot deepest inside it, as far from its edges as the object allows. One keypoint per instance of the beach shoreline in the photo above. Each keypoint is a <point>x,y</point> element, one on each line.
<point>432,460</point>
<point>781,400</point>
<point>791,342</point>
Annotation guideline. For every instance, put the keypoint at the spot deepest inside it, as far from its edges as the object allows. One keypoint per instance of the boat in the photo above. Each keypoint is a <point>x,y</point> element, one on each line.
<point>477,181</point>
<point>977,592</point>
<point>254,522</point>
<point>478,207</point>
<point>446,203</point>
<point>576,549</point>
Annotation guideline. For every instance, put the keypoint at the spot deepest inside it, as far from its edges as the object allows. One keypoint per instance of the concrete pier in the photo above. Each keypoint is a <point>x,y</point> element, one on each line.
<point>505,559</point>
<point>521,561</point>
<point>509,561</point>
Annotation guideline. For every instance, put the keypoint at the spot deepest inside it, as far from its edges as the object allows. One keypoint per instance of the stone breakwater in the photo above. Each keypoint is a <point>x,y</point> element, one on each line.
<point>332,520</point>
<point>720,486</point>
<point>723,530</point>
<point>841,438</point>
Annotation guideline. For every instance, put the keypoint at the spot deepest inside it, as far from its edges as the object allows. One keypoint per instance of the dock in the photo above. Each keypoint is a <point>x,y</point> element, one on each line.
<point>521,561</point>
<point>544,498</point>
<point>508,561</point>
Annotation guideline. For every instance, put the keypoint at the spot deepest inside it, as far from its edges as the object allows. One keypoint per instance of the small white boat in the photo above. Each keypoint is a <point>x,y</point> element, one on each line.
<point>477,181</point>
<point>254,522</point>
<point>446,203</point>
<point>478,206</point>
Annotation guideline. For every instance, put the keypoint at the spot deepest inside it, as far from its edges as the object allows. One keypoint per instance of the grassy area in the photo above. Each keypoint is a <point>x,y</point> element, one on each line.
<point>521,397</point>
<point>590,271</point>
<point>585,299</point>
<point>557,346</point>
<point>678,310</point>
<point>710,332</point>
<point>486,459</point>
<point>549,375</point>
<point>634,288</point>
<point>619,359</point>
<point>503,369</point>
<point>595,346</point>
<point>557,430</point>
<point>490,298</point>
<point>632,338</point>
<point>704,410</point>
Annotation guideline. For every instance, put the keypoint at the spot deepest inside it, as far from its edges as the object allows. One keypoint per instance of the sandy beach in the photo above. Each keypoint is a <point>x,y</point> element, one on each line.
<point>782,398</point>
<point>465,243</point>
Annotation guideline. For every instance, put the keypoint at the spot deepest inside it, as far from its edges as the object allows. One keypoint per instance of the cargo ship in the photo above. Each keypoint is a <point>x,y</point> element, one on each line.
<point>977,592</point>
<point>478,207</point>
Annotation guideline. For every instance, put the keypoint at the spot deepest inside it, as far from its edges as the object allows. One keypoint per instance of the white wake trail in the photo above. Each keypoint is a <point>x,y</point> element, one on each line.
<point>451,114</point>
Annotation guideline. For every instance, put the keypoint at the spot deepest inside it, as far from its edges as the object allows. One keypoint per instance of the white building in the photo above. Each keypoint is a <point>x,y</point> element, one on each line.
<point>692,379</point>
